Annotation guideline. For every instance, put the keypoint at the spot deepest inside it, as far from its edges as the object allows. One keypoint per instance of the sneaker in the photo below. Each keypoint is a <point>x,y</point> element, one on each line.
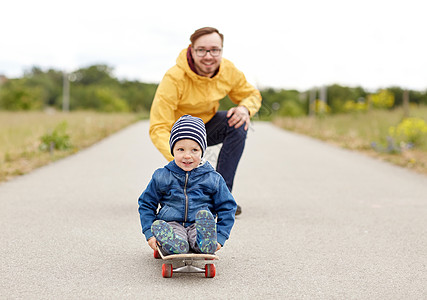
<point>169,241</point>
<point>206,232</point>
<point>238,210</point>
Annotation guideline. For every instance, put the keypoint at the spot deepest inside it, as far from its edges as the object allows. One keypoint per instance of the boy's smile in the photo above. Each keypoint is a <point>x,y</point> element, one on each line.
<point>188,154</point>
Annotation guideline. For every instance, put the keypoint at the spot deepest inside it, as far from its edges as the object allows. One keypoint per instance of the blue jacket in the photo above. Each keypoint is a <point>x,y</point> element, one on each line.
<point>182,194</point>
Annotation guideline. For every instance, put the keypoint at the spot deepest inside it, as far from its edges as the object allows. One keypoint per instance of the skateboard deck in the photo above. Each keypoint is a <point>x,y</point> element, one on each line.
<point>186,263</point>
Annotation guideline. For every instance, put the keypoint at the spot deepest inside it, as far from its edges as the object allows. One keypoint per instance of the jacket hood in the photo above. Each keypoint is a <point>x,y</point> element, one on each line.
<point>205,168</point>
<point>182,63</point>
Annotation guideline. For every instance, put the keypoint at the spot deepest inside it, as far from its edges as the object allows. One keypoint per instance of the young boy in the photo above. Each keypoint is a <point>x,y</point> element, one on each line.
<point>190,194</point>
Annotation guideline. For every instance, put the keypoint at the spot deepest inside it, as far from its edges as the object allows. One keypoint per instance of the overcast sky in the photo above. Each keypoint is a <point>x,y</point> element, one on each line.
<point>282,44</point>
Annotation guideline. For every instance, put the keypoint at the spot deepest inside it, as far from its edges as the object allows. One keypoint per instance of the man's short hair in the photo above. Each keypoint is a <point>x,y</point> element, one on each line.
<point>203,31</point>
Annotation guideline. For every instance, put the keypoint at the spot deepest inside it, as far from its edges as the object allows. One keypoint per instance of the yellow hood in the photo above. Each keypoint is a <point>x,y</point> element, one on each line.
<point>182,92</point>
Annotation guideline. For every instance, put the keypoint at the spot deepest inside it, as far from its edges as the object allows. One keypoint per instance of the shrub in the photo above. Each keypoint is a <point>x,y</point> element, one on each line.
<point>320,108</point>
<point>57,139</point>
<point>410,131</point>
<point>291,109</point>
<point>384,99</point>
<point>352,106</point>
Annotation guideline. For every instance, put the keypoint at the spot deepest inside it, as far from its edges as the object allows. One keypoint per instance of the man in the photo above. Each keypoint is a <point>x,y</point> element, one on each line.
<point>194,86</point>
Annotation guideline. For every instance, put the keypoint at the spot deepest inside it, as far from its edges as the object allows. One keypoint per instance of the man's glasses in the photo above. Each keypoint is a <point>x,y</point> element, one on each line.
<point>203,52</point>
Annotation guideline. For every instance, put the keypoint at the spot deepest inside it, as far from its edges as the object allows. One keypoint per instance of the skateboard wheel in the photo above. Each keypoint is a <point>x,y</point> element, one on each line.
<point>167,270</point>
<point>210,270</point>
<point>157,254</point>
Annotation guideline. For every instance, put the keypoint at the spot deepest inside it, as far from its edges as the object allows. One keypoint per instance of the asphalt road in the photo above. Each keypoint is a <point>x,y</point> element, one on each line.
<point>318,222</point>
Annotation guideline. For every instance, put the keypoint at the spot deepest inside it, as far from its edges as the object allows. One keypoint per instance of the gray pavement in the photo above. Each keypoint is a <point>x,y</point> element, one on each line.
<point>318,222</point>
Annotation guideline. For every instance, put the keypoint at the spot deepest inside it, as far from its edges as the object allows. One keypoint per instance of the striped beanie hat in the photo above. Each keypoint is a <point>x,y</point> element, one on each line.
<point>189,127</point>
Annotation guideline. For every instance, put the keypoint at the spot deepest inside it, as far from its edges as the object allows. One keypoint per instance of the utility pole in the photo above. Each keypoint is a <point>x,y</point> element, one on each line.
<point>323,94</point>
<point>65,93</point>
<point>324,98</point>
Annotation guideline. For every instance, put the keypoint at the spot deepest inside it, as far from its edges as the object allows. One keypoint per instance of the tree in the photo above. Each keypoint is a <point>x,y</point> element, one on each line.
<point>138,95</point>
<point>96,74</point>
<point>339,97</point>
<point>15,94</point>
<point>398,95</point>
<point>50,82</point>
<point>282,102</point>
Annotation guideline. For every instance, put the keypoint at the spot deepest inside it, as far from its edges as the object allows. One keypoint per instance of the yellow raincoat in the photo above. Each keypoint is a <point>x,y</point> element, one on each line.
<point>182,92</point>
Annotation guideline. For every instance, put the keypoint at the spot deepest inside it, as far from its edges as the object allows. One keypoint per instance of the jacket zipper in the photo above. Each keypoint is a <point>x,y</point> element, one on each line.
<point>186,198</point>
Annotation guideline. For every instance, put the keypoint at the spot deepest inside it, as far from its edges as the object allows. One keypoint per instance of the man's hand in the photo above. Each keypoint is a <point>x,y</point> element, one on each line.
<point>152,242</point>
<point>218,247</point>
<point>239,116</point>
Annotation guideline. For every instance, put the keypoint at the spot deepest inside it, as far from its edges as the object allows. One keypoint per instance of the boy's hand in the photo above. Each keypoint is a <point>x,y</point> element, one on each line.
<point>152,242</point>
<point>218,247</point>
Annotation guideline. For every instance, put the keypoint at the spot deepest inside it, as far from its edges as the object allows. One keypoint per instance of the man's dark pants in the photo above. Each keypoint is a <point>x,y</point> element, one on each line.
<point>233,142</point>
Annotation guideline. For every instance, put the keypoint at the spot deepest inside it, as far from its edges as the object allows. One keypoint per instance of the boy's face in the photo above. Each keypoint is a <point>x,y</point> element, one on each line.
<point>187,153</point>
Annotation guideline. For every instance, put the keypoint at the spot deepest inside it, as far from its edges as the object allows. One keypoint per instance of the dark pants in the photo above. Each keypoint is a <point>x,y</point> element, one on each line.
<point>233,142</point>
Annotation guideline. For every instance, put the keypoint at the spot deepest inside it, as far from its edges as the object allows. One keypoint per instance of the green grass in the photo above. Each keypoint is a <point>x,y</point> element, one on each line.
<point>21,132</point>
<point>357,131</point>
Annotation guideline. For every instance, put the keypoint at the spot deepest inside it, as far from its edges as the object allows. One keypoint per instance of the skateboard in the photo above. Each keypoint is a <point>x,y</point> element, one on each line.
<point>186,263</point>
